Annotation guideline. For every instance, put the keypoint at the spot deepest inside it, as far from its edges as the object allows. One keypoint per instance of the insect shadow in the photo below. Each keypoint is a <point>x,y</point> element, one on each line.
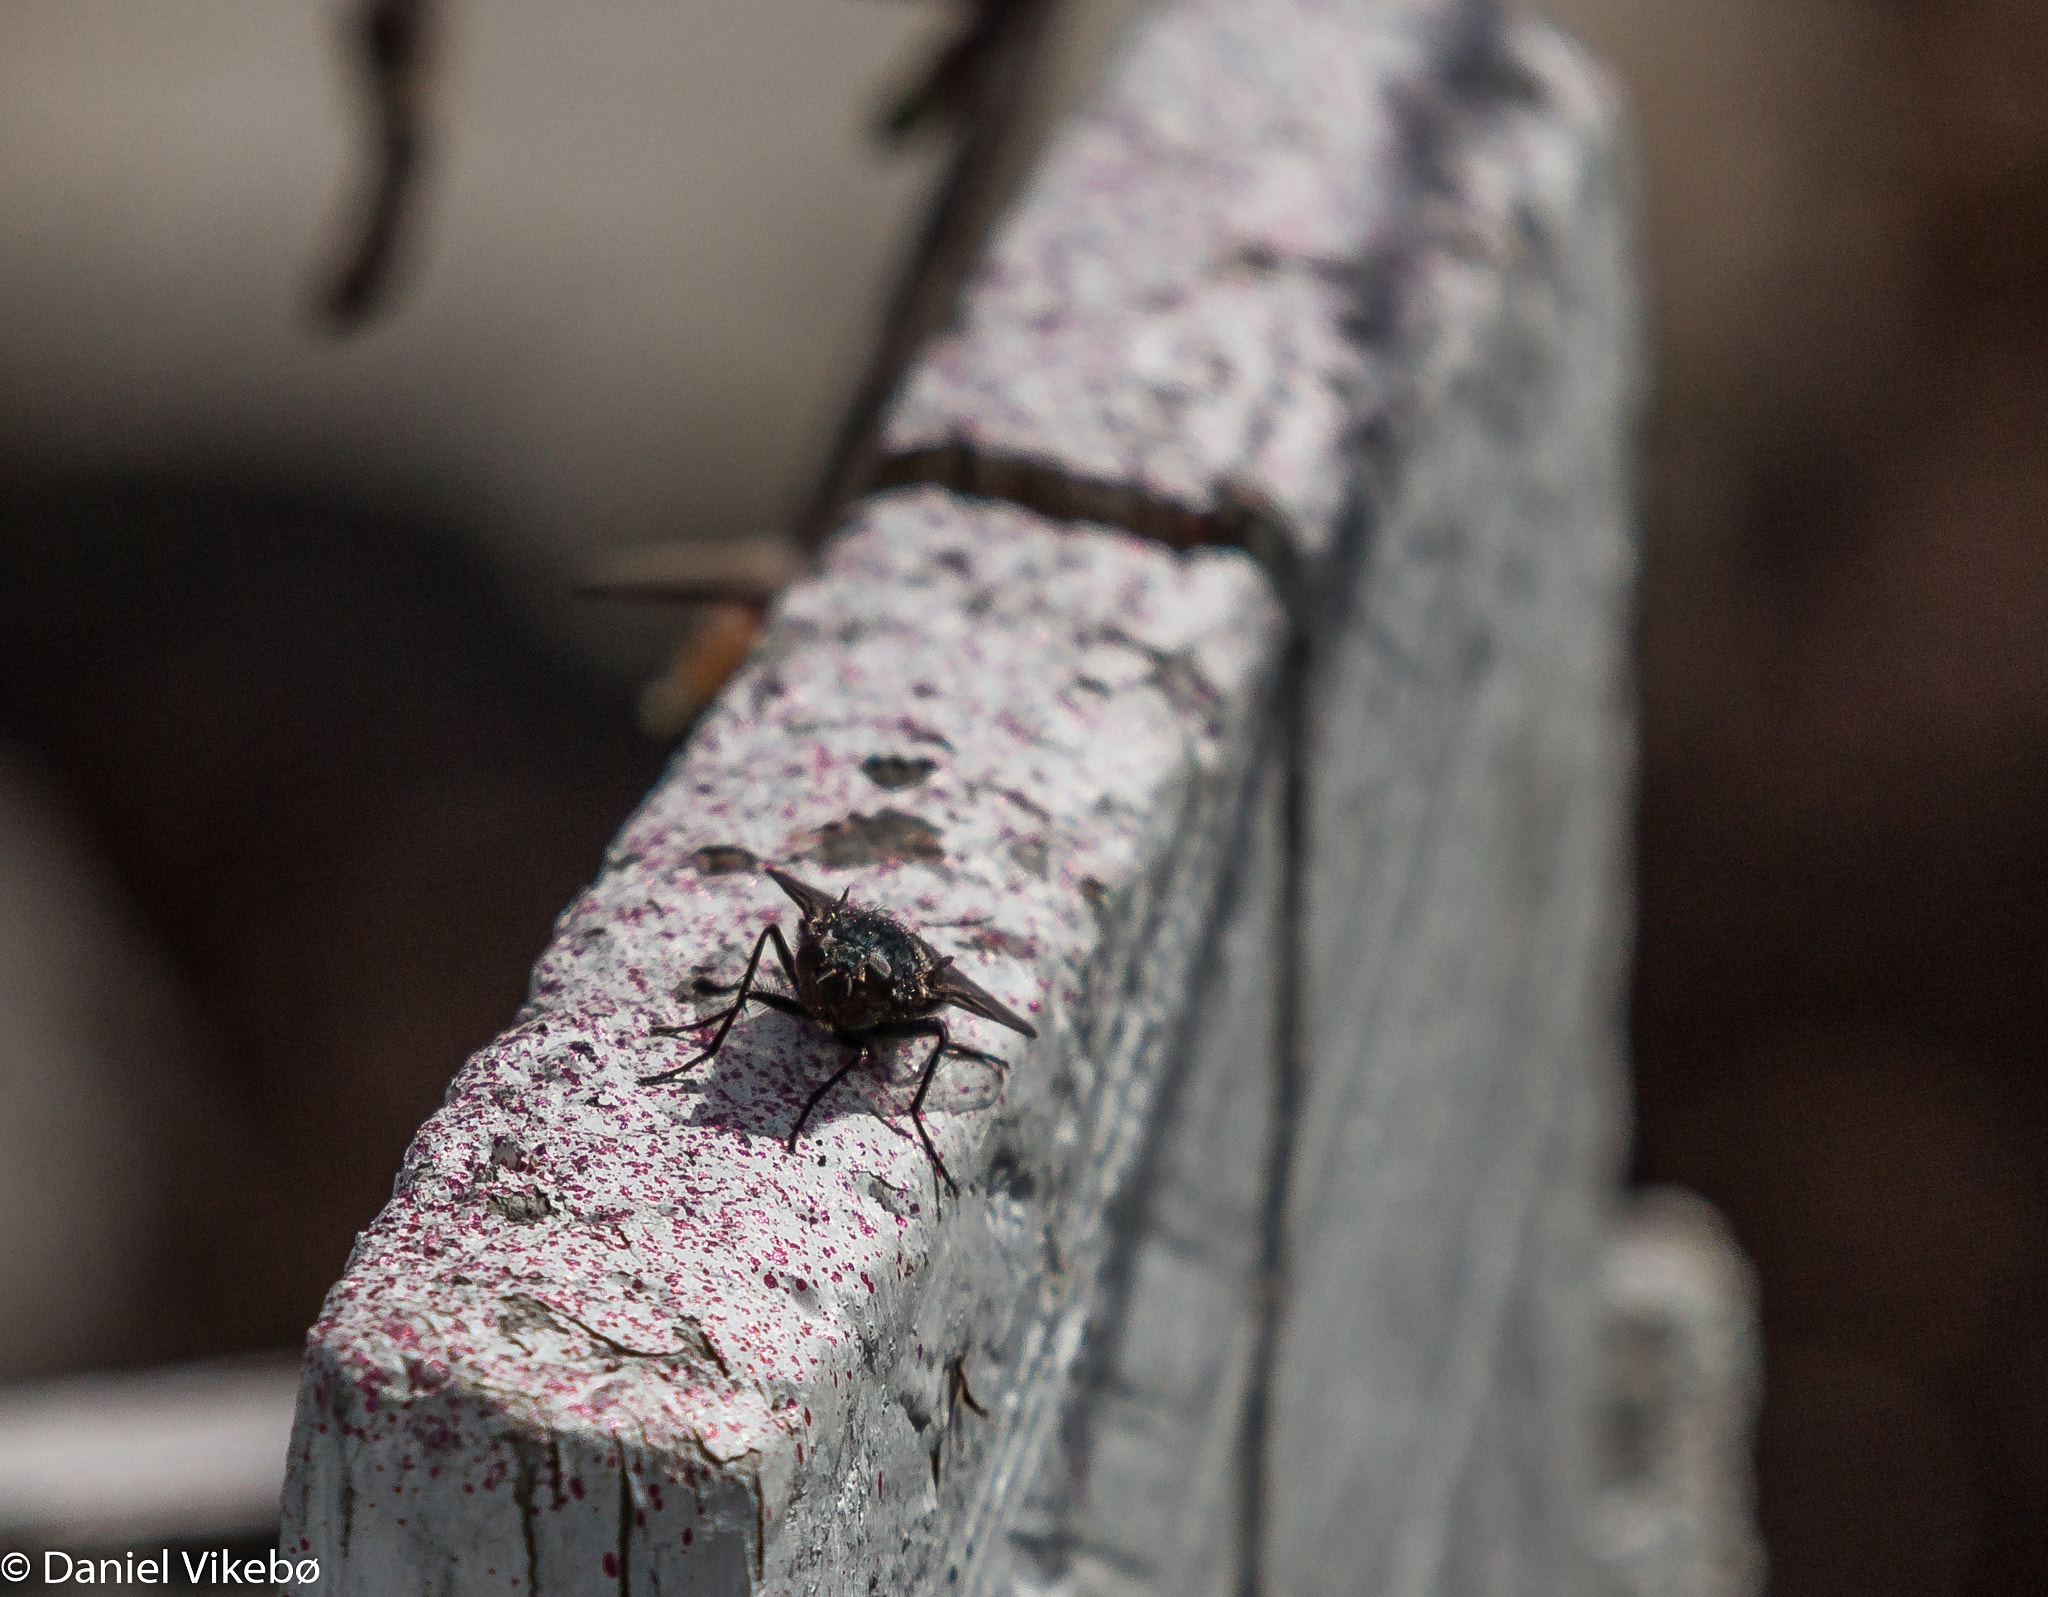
<point>867,978</point>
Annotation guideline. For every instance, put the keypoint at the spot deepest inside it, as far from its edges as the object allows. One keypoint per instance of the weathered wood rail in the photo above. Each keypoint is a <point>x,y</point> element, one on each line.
<point>1232,674</point>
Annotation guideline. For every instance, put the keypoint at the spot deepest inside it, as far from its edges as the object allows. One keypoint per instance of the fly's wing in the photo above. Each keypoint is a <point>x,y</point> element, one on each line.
<point>964,994</point>
<point>814,904</point>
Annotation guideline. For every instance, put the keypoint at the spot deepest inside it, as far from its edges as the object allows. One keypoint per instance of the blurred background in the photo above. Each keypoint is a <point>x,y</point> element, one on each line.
<point>1840,1026</point>
<point>303,741</point>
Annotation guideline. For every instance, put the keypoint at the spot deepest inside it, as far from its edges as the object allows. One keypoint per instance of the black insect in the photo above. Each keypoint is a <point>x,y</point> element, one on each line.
<point>867,977</point>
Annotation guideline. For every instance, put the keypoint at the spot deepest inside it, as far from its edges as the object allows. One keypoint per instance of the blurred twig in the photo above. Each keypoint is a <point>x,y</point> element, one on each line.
<point>949,87</point>
<point>708,652</point>
<point>980,83</point>
<point>745,571</point>
<point>395,44</point>
<point>730,584</point>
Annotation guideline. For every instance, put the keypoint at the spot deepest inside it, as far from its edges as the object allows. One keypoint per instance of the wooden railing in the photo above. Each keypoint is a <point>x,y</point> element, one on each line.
<point>1230,673</point>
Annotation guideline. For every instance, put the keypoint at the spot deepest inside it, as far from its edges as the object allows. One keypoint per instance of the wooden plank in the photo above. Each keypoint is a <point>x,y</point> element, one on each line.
<point>1164,333</point>
<point>1152,1484</point>
<point>1467,579</point>
<point>1345,284</point>
<point>1461,1120</point>
<point>607,1333</point>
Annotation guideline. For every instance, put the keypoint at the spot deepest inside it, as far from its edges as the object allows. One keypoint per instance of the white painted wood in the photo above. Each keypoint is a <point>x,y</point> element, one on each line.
<point>1461,1120</point>
<point>1467,578</point>
<point>121,1460</point>
<point>607,1332</point>
<point>1168,317</point>
<point>1153,1499</point>
<point>1337,281</point>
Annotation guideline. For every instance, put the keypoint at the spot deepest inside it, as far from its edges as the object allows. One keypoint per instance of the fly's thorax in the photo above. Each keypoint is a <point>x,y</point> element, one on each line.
<point>859,967</point>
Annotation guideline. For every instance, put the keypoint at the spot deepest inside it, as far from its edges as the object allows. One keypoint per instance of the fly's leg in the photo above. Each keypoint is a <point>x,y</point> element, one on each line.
<point>781,1002</point>
<point>860,1052</point>
<point>712,989</point>
<point>934,1028</point>
<point>958,1394</point>
<point>930,1026</point>
<point>769,933</point>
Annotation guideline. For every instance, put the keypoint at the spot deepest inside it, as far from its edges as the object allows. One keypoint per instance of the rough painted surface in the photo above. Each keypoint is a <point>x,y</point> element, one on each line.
<point>1468,581</point>
<point>1151,1491</point>
<point>614,1334</point>
<point>1460,1126</point>
<point>1173,309</point>
<point>604,1334</point>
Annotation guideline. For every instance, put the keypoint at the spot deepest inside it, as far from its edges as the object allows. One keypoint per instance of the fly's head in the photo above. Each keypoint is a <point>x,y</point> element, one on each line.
<point>858,968</point>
